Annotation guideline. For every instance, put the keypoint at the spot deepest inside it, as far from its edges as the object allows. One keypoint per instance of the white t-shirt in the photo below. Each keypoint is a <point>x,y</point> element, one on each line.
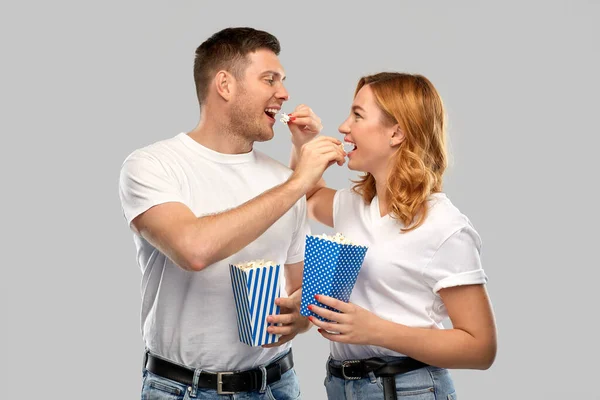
<point>190,317</point>
<point>402,272</point>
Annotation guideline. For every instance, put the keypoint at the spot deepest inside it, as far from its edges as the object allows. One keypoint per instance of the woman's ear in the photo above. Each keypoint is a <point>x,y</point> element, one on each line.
<point>397,136</point>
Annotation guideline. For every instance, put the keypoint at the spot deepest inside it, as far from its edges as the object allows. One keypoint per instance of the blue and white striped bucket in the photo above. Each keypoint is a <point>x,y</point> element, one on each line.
<point>255,291</point>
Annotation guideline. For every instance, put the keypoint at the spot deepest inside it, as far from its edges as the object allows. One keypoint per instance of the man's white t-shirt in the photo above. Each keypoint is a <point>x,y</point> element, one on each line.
<point>402,272</point>
<point>190,317</point>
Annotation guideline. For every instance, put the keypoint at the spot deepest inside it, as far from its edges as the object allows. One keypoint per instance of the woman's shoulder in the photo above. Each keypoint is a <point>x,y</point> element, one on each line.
<point>444,215</point>
<point>348,196</point>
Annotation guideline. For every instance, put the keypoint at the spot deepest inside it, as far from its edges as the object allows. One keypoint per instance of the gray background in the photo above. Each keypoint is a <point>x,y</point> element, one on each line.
<point>85,83</point>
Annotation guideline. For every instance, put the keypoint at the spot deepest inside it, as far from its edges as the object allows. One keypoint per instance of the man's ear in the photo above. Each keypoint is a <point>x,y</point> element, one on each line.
<point>397,136</point>
<point>224,84</point>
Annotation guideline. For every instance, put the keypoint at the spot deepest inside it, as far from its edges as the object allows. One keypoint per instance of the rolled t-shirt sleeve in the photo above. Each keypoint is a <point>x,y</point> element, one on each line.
<point>143,183</point>
<point>296,251</point>
<point>456,262</point>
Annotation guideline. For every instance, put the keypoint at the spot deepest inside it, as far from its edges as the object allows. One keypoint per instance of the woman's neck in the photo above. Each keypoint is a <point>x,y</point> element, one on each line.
<point>381,192</point>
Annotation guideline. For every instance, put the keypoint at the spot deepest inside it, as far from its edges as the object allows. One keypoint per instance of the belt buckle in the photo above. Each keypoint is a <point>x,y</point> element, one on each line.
<point>346,364</point>
<point>220,382</point>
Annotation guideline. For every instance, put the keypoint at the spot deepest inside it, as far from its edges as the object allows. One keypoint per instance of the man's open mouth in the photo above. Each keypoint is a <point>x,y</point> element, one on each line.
<point>271,112</point>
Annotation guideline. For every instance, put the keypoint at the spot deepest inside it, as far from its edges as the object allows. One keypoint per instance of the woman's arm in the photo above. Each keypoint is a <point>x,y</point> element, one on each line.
<point>471,343</point>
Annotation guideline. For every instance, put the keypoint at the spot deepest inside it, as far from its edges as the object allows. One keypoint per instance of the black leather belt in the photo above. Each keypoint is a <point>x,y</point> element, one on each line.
<point>222,382</point>
<point>359,369</point>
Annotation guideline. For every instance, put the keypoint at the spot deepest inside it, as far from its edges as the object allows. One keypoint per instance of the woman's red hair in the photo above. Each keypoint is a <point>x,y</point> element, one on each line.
<point>421,159</point>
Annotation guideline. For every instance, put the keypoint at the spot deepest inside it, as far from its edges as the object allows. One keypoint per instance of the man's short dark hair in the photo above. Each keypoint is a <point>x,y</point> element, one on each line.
<point>228,50</point>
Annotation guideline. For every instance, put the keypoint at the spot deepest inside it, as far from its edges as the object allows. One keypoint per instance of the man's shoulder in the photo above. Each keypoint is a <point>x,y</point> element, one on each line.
<point>155,150</point>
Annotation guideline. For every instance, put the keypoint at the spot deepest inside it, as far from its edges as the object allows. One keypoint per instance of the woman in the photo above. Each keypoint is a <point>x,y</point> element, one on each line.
<point>423,261</point>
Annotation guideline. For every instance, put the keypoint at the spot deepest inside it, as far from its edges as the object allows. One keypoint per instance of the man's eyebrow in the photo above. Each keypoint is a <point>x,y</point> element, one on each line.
<point>274,73</point>
<point>354,108</point>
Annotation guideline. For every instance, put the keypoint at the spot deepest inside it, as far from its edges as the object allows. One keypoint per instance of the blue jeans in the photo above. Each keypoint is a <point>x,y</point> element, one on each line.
<point>156,387</point>
<point>428,383</point>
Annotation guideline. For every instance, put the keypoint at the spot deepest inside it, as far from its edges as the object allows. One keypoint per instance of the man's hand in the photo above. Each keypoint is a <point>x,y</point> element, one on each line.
<point>290,320</point>
<point>314,158</point>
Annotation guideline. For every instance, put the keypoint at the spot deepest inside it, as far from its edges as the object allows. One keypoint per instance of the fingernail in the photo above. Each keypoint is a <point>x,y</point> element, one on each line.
<point>293,118</point>
<point>310,307</point>
<point>317,297</point>
<point>320,330</point>
<point>311,318</point>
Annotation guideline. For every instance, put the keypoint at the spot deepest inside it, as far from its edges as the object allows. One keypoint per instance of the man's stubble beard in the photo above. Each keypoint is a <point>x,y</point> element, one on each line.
<point>244,122</point>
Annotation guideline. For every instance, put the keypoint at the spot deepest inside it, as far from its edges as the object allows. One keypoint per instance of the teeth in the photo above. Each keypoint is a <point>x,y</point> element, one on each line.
<point>271,110</point>
<point>347,147</point>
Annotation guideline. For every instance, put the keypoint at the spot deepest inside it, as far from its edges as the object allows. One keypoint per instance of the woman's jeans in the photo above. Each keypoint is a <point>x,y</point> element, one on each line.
<point>427,383</point>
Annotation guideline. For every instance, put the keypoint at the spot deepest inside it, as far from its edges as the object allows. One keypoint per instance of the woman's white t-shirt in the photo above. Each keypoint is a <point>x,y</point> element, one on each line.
<point>402,272</point>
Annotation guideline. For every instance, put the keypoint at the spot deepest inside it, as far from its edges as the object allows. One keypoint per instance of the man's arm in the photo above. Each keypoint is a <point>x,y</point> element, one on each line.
<point>319,198</point>
<point>194,243</point>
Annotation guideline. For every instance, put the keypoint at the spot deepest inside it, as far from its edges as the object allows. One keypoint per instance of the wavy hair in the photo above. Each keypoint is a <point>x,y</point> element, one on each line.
<point>421,159</point>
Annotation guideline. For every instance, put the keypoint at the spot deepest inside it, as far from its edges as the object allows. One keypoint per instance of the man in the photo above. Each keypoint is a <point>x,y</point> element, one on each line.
<point>204,199</point>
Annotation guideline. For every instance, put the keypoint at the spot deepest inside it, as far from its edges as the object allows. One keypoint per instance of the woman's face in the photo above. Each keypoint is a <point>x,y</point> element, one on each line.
<point>366,128</point>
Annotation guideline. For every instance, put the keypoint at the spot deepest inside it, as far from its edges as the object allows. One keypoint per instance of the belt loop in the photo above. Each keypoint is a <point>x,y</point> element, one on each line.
<point>263,386</point>
<point>372,377</point>
<point>327,368</point>
<point>194,390</point>
<point>145,358</point>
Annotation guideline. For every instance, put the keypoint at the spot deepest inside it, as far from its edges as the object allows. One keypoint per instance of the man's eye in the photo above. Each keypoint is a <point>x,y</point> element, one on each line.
<point>271,81</point>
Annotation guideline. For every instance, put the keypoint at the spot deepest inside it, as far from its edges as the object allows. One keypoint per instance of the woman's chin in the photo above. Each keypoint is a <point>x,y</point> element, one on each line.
<point>353,167</point>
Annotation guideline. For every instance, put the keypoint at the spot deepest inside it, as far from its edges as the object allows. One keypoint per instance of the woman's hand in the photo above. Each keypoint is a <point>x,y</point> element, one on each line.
<point>353,324</point>
<point>304,125</point>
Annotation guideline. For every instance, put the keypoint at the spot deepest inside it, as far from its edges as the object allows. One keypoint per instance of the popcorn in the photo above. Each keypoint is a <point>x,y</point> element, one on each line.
<point>331,266</point>
<point>255,264</point>
<point>338,238</point>
<point>255,287</point>
<point>285,118</point>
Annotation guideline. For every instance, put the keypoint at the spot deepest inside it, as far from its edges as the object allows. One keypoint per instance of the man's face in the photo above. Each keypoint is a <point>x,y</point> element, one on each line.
<point>258,90</point>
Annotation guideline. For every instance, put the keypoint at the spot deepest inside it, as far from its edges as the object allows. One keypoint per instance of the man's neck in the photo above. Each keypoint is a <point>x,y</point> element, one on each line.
<point>219,137</point>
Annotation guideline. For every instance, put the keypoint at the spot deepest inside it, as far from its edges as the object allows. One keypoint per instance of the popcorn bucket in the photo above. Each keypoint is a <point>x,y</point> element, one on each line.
<point>331,266</point>
<point>255,288</point>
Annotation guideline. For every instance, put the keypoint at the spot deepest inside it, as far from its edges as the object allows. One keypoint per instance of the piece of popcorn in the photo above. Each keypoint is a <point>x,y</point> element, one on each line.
<point>337,238</point>
<point>255,264</point>
<point>285,118</point>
